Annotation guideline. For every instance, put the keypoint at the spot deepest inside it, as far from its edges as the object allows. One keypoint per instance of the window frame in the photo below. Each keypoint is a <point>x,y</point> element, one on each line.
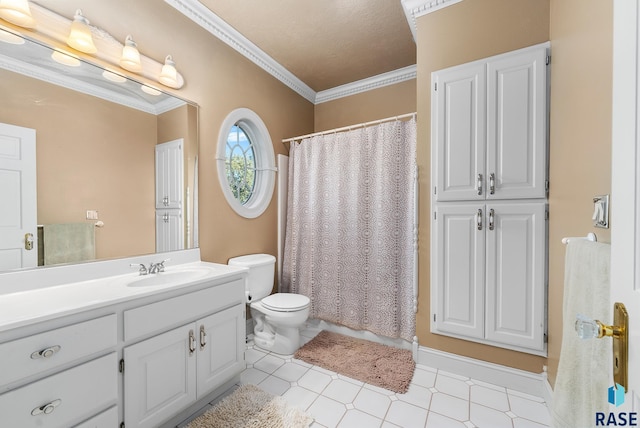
<point>264,155</point>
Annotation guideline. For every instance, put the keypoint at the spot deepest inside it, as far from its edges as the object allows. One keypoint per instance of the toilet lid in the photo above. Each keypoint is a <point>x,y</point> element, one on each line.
<point>285,302</point>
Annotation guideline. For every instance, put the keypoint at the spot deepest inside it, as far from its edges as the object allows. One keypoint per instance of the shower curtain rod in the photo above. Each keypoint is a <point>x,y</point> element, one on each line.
<point>348,128</point>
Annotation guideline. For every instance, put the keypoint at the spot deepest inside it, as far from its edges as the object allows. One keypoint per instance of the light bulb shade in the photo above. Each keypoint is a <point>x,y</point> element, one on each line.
<point>17,12</point>
<point>80,35</point>
<point>130,59</point>
<point>169,74</point>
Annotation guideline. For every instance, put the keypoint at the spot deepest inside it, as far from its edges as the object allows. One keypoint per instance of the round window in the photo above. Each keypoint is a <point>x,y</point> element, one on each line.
<point>246,163</point>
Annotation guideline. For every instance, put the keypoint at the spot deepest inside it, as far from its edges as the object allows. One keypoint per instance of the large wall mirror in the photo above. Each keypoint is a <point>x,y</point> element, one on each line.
<point>99,152</point>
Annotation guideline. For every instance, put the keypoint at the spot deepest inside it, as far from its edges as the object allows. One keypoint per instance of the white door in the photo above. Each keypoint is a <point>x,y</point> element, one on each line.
<point>517,124</point>
<point>625,226</point>
<point>18,196</point>
<point>169,174</point>
<point>459,271</point>
<point>458,110</point>
<point>221,348</point>
<point>159,377</point>
<point>516,273</point>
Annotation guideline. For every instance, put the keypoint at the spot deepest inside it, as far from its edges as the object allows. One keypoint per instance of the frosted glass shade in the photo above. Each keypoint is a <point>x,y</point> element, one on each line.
<point>17,12</point>
<point>80,35</point>
<point>169,74</point>
<point>130,59</point>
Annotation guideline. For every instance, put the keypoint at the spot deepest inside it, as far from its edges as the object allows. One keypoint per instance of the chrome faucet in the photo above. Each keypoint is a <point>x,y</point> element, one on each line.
<point>157,267</point>
<point>142,270</point>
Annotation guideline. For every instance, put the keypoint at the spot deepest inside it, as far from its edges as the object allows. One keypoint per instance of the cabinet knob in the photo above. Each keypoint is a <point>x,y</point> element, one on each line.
<point>46,408</point>
<point>46,352</point>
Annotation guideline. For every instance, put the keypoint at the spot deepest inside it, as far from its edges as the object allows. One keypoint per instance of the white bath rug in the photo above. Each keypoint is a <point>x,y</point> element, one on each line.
<point>251,407</point>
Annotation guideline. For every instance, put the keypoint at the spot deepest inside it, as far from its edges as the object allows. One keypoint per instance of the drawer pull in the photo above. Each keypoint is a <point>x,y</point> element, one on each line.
<point>46,352</point>
<point>46,408</point>
<point>203,338</point>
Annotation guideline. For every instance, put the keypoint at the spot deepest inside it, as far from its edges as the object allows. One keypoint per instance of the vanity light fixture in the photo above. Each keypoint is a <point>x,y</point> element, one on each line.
<point>169,74</point>
<point>65,59</point>
<point>80,35</point>
<point>17,12</point>
<point>130,59</point>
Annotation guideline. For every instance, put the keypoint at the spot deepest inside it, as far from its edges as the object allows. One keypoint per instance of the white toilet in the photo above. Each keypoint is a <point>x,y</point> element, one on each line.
<point>278,317</point>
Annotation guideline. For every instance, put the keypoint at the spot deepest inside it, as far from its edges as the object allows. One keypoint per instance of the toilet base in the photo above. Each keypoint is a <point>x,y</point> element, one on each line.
<point>285,341</point>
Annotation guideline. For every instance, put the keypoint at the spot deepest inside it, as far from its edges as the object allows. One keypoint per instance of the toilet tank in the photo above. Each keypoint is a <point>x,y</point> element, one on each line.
<point>261,272</point>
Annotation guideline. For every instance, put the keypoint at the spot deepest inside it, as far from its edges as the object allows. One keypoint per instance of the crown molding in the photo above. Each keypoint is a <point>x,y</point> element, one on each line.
<point>416,8</point>
<point>211,22</point>
<point>374,82</point>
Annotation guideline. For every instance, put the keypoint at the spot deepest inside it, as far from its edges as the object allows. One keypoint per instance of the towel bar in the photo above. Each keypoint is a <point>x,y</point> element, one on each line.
<point>590,237</point>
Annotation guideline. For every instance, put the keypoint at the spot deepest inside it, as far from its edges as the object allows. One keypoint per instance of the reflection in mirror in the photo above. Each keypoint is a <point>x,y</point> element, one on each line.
<point>105,184</point>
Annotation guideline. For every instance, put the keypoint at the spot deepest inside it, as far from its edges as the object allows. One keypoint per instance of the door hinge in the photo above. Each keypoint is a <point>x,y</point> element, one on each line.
<point>121,366</point>
<point>548,59</point>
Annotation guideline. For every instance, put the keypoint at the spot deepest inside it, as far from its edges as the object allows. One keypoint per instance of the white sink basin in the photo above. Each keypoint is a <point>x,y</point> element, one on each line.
<point>169,277</point>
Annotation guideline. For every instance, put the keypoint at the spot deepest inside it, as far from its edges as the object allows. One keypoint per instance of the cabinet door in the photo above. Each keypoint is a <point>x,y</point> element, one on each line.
<point>517,125</point>
<point>459,124</point>
<point>169,230</point>
<point>169,174</point>
<point>516,274</point>
<point>159,377</point>
<point>459,269</point>
<point>221,348</point>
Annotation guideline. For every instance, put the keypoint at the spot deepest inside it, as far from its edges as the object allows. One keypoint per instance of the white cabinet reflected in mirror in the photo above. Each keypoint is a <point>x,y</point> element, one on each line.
<point>96,137</point>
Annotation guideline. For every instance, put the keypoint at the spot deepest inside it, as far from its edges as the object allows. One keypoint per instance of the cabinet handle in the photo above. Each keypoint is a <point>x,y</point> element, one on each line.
<point>491,219</point>
<point>165,201</point>
<point>192,342</point>
<point>479,184</point>
<point>203,337</point>
<point>46,352</point>
<point>492,183</point>
<point>46,408</point>
<point>479,219</point>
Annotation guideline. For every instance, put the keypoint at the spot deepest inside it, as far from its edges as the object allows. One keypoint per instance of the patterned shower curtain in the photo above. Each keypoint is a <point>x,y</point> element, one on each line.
<point>349,242</point>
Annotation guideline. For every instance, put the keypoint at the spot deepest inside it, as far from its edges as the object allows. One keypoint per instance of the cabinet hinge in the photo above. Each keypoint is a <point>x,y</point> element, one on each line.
<point>546,214</point>
<point>121,366</point>
<point>435,86</point>
<point>435,190</point>
<point>122,425</point>
<point>546,186</point>
<point>435,215</point>
<point>548,59</point>
<point>434,317</point>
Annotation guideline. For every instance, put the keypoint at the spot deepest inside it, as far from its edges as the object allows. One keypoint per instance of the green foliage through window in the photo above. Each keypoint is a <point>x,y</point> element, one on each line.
<point>240,164</point>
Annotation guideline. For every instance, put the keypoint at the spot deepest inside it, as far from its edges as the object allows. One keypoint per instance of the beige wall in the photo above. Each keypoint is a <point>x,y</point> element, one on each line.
<point>380,103</point>
<point>581,75</point>
<point>86,162</point>
<point>466,31</point>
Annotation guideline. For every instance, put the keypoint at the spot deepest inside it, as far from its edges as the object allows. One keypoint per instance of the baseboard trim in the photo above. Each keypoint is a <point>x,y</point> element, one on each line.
<point>507,377</point>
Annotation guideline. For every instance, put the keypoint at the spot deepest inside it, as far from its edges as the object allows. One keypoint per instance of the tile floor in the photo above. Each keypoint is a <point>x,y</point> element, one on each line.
<point>436,399</point>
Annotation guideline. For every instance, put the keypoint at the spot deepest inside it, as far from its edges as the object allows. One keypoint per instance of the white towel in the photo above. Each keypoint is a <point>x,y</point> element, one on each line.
<point>584,370</point>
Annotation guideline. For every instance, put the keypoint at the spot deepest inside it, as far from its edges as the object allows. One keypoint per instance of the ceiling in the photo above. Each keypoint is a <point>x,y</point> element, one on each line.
<point>324,43</point>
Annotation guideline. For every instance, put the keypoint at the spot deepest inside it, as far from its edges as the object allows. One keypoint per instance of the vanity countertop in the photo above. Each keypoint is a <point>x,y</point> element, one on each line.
<point>22,308</point>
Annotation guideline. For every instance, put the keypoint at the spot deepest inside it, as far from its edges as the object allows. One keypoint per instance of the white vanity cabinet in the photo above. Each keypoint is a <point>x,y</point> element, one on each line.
<point>69,375</point>
<point>169,371</point>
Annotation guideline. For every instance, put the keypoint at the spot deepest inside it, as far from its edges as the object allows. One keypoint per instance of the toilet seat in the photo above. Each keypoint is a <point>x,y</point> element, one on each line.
<point>285,302</point>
